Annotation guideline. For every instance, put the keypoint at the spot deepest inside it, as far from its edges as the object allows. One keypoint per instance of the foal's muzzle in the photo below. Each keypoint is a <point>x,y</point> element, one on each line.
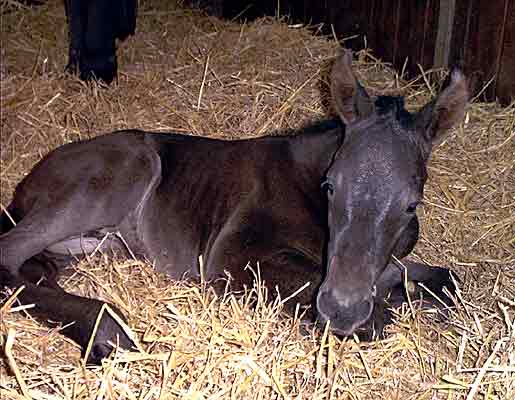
<point>345,319</point>
<point>346,297</point>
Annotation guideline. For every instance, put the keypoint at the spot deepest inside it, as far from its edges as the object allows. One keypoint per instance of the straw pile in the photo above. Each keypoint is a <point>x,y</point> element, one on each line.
<point>191,73</point>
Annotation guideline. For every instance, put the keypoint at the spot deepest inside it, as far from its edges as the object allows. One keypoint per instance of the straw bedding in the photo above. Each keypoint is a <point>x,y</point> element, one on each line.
<point>187,72</point>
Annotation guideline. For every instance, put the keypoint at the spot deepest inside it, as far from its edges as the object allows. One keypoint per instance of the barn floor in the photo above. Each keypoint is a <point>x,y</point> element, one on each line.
<point>190,73</point>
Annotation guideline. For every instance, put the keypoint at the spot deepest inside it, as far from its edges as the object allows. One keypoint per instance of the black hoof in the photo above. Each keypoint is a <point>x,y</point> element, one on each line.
<point>432,291</point>
<point>98,352</point>
<point>109,335</point>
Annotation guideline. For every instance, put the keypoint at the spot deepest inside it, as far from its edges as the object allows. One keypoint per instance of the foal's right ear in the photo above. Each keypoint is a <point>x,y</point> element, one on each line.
<point>447,110</point>
<point>350,98</point>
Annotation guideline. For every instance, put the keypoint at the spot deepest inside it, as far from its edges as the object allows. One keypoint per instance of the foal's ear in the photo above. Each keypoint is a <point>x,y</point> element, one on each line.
<point>350,98</point>
<point>448,109</point>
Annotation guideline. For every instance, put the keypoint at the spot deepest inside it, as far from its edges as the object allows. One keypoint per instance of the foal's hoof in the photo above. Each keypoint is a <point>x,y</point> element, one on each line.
<point>108,335</point>
<point>430,295</point>
<point>109,332</point>
<point>433,289</point>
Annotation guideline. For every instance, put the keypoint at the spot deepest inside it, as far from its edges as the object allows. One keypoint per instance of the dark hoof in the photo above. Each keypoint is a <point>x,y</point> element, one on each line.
<point>100,68</point>
<point>430,294</point>
<point>98,352</point>
<point>104,71</point>
<point>108,335</point>
<point>435,288</point>
<point>100,76</point>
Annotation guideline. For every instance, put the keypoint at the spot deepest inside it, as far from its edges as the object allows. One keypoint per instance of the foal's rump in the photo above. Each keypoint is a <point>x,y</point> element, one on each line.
<point>79,197</point>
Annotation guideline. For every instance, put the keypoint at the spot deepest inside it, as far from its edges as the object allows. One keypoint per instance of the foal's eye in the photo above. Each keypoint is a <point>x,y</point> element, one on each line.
<point>412,207</point>
<point>327,186</point>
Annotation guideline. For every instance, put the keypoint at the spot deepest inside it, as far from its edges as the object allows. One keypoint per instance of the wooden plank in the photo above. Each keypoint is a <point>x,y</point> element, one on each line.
<point>444,34</point>
<point>417,30</point>
<point>383,21</point>
<point>477,41</point>
<point>505,88</point>
<point>397,39</point>
<point>430,23</point>
<point>349,18</point>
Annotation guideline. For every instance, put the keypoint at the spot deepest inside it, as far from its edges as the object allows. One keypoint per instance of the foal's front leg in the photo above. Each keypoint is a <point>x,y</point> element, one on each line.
<point>390,287</point>
<point>391,282</point>
<point>420,276</point>
<point>76,314</point>
<point>391,292</point>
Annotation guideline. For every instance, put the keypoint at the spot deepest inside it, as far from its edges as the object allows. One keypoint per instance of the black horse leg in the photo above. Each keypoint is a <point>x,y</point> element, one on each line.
<point>76,314</point>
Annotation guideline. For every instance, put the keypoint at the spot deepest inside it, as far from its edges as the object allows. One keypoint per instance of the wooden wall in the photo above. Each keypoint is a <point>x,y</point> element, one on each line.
<point>484,43</point>
<point>478,35</point>
<point>505,84</point>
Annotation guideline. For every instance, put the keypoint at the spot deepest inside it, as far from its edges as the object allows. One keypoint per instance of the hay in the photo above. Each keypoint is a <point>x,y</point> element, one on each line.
<point>191,73</point>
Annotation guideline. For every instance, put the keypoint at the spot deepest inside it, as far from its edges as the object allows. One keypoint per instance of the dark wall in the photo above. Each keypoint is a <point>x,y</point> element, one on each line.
<point>479,35</point>
<point>505,85</point>
<point>484,42</point>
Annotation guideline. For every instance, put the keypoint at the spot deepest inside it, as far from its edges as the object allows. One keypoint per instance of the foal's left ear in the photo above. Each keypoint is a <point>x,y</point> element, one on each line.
<point>448,109</point>
<point>350,98</point>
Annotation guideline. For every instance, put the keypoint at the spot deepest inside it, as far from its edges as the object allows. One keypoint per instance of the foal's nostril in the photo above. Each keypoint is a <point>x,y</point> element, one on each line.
<point>327,300</point>
<point>361,309</point>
